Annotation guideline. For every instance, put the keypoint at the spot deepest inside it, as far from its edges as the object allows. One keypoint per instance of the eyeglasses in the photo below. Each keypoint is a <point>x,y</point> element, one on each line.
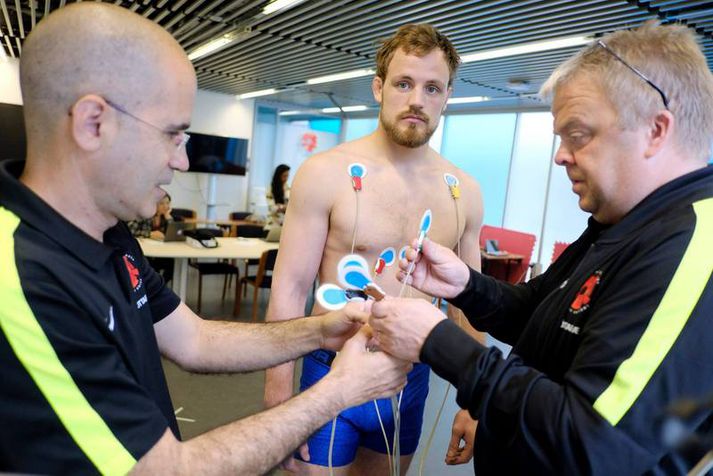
<point>173,134</point>
<point>636,71</point>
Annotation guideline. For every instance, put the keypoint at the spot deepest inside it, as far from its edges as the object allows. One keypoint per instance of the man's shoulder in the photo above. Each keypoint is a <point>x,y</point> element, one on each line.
<point>339,156</point>
<point>466,180</point>
<point>330,163</point>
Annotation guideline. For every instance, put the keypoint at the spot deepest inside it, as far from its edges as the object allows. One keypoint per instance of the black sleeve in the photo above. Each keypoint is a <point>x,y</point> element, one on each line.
<point>497,307</point>
<point>645,345</point>
<point>162,300</point>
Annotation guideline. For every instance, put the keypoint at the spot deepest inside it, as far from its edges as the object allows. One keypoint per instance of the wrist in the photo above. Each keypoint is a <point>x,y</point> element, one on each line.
<point>464,281</point>
<point>306,332</point>
<point>318,333</point>
<point>335,388</point>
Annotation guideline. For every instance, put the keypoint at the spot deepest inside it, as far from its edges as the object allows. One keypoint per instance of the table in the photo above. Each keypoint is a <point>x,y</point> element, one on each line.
<point>486,259</point>
<point>228,248</point>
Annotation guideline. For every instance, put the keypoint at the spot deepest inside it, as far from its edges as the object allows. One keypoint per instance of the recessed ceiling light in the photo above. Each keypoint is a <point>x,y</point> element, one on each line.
<point>341,76</point>
<point>256,94</point>
<point>277,5</point>
<point>526,48</point>
<point>345,109</point>
<point>467,100</point>
<point>216,44</point>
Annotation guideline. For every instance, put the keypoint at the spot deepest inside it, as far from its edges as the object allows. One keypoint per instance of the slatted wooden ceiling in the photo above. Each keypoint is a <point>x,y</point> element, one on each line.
<point>320,37</point>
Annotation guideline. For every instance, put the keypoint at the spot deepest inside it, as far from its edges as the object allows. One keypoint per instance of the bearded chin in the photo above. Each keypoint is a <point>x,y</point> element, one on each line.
<point>412,137</point>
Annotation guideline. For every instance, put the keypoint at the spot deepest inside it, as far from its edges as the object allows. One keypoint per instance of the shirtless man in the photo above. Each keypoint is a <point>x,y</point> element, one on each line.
<point>415,70</point>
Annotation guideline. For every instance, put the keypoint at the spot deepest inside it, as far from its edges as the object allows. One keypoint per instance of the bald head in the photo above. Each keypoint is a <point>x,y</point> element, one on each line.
<point>94,48</point>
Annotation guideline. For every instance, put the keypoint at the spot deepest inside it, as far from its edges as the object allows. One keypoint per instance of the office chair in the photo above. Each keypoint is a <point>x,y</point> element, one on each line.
<point>239,215</point>
<point>262,280</point>
<point>515,242</point>
<point>212,268</point>
<point>179,214</point>
<point>248,231</point>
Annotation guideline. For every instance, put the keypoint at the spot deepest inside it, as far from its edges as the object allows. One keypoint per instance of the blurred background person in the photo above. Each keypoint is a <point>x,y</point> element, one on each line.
<point>277,196</point>
<point>155,228</point>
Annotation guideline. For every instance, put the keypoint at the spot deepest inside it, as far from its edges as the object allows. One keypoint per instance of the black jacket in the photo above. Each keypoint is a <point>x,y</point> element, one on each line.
<point>615,331</point>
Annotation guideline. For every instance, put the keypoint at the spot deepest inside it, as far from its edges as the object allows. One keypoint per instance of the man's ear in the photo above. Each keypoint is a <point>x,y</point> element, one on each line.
<point>88,118</point>
<point>377,87</point>
<point>660,133</point>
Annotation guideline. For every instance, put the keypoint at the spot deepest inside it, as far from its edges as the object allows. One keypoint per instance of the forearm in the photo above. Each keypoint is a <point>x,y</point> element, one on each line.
<point>242,347</point>
<point>253,445</point>
<point>258,443</point>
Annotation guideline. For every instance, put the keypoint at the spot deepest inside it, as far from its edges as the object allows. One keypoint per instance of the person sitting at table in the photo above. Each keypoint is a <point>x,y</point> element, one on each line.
<point>277,196</point>
<point>155,228</point>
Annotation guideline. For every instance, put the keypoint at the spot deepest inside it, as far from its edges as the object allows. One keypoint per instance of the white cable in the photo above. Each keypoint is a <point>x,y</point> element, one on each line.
<point>356,223</point>
<point>424,454</point>
<point>386,438</point>
<point>396,450</point>
<point>334,422</point>
<point>331,447</point>
<point>433,432</point>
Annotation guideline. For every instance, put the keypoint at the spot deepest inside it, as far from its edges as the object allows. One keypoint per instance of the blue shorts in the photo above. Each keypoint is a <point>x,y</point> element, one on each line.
<point>359,426</point>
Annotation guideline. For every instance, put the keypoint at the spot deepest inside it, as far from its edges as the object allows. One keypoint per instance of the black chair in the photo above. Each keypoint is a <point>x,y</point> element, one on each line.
<point>239,215</point>
<point>179,214</point>
<point>262,280</point>
<point>249,231</point>
<point>212,268</point>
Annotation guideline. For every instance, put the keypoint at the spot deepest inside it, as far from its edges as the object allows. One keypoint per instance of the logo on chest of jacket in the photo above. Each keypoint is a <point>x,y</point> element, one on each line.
<point>133,270</point>
<point>583,298</point>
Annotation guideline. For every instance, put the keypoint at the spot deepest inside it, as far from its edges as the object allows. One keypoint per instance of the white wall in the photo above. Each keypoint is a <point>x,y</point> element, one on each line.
<point>289,144</point>
<point>263,161</point>
<point>10,81</point>
<point>222,115</point>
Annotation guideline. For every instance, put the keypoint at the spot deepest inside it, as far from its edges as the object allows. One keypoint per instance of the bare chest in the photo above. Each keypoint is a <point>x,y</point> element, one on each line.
<point>387,213</point>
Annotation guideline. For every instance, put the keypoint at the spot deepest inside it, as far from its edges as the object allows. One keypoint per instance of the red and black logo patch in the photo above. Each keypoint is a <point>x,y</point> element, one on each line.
<point>584,295</point>
<point>134,273</point>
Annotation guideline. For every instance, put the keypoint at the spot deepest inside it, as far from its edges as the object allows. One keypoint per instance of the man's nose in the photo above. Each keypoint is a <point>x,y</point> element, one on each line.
<point>563,156</point>
<point>179,160</point>
<point>417,97</point>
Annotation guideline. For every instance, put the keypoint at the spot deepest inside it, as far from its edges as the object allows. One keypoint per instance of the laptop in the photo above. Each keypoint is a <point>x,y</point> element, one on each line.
<point>273,236</point>
<point>492,248</point>
<point>174,231</point>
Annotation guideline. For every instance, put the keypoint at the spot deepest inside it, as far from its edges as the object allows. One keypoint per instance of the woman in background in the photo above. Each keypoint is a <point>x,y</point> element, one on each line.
<point>155,228</point>
<point>278,195</point>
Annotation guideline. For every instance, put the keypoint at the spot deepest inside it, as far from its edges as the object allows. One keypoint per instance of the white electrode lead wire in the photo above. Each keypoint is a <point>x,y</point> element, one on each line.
<point>424,454</point>
<point>334,422</point>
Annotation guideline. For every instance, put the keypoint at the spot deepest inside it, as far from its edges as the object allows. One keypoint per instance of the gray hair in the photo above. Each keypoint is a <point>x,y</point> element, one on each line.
<point>670,56</point>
